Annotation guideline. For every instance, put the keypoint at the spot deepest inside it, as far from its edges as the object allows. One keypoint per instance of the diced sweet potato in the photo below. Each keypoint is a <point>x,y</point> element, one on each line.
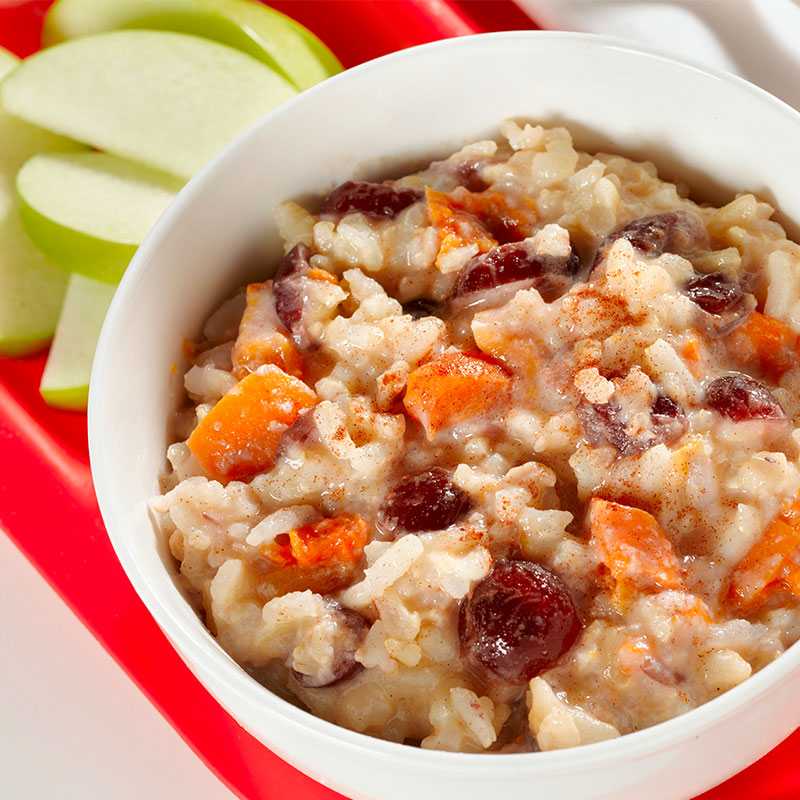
<point>766,343</point>
<point>239,436</point>
<point>323,578</point>
<point>322,275</point>
<point>634,548</point>
<point>481,218</point>
<point>335,539</point>
<point>771,561</point>
<point>691,350</point>
<point>456,226</point>
<point>262,337</point>
<point>454,388</point>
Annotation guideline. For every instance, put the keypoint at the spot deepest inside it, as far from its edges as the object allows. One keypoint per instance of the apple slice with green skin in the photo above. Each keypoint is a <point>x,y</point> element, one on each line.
<point>90,211</point>
<point>7,62</point>
<point>324,54</point>
<point>65,382</point>
<point>257,30</point>
<point>167,100</point>
<point>31,286</point>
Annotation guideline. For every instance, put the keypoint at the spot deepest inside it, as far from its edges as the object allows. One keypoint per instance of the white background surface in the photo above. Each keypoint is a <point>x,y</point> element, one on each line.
<point>757,39</point>
<point>72,724</point>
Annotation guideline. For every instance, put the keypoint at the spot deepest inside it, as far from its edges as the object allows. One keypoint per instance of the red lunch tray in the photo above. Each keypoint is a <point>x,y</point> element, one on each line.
<point>46,486</point>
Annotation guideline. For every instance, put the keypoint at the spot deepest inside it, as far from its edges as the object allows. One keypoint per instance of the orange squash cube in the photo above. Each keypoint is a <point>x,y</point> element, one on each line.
<point>239,436</point>
<point>766,343</point>
<point>457,227</point>
<point>770,561</point>
<point>262,337</point>
<point>478,218</point>
<point>634,548</point>
<point>454,388</point>
<point>335,539</point>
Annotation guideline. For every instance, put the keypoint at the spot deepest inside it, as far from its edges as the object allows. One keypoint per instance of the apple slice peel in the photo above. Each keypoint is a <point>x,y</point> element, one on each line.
<point>31,286</point>
<point>90,211</point>
<point>65,382</point>
<point>167,100</point>
<point>267,35</point>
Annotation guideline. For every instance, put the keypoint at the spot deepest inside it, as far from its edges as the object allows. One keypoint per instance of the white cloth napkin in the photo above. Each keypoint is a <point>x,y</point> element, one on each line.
<point>757,39</point>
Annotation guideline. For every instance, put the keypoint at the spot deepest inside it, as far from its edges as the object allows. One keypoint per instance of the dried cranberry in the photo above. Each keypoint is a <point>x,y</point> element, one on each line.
<point>723,298</point>
<point>467,173</point>
<point>504,228</point>
<point>428,501</point>
<point>377,200</point>
<point>669,420</point>
<point>714,293</point>
<point>672,232</point>
<point>605,423</point>
<point>291,293</point>
<point>296,263</point>
<point>518,621</point>
<point>352,630</point>
<point>515,264</point>
<point>741,398</point>
<point>423,307</point>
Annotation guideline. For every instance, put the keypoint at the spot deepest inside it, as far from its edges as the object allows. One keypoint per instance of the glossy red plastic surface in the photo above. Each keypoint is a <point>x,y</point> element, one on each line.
<point>47,502</point>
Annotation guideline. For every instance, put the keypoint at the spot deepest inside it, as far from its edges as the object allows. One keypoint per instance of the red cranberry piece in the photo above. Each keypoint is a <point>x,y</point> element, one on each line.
<point>428,501</point>
<point>376,200</point>
<point>504,228</point>
<point>605,423</point>
<point>715,293</point>
<point>291,294</point>
<point>669,420</point>
<point>724,299</point>
<point>351,631</point>
<point>739,398</point>
<point>517,622</point>
<point>673,232</point>
<point>467,173</point>
<point>514,263</point>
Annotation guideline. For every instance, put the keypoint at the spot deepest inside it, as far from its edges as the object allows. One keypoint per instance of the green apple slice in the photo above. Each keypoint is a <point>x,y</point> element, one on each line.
<point>65,382</point>
<point>7,62</point>
<point>261,32</point>
<point>323,53</point>
<point>31,286</point>
<point>90,211</point>
<point>167,100</point>
<point>253,16</point>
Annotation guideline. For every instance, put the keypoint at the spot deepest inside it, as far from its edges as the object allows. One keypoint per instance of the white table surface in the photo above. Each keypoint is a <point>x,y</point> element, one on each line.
<point>72,724</point>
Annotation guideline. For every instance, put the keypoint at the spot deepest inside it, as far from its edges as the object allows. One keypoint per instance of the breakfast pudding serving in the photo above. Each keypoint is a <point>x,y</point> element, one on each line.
<point>505,455</point>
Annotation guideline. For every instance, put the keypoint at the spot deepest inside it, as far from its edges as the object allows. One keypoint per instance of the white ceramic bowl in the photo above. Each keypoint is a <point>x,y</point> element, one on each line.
<point>718,132</point>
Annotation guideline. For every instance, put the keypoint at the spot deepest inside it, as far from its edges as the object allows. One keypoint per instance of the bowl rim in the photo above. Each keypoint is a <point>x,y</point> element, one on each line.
<point>236,681</point>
